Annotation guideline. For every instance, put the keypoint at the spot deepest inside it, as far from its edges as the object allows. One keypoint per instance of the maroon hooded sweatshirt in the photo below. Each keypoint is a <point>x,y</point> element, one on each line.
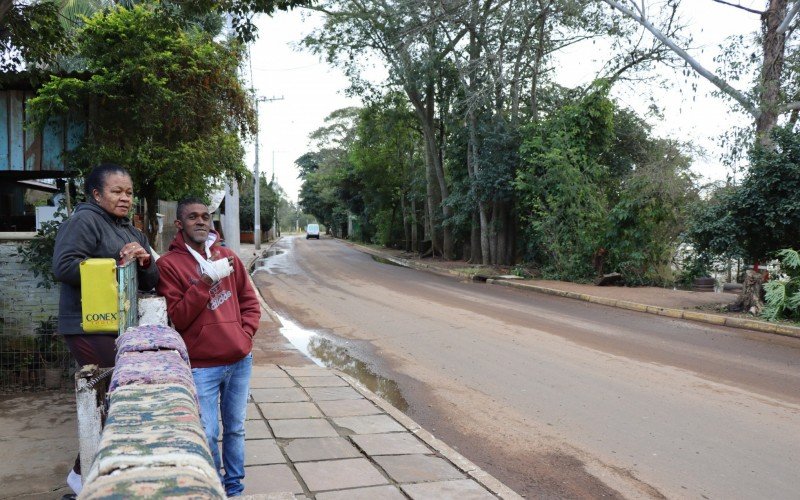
<point>217,321</point>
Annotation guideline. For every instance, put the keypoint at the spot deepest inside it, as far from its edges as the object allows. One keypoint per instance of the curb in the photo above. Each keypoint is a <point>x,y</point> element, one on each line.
<point>261,300</point>
<point>264,248</point>
<point>403,262</point>
<point>473,471</point>
<point>700,317</point>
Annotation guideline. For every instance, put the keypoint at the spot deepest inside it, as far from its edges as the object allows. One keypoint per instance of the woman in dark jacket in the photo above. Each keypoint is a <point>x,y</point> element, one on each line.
<point>99,228</point>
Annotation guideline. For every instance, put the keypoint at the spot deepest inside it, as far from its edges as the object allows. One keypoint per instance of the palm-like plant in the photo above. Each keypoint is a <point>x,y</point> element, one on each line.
<point>72,14</point>
<point>783,294</point>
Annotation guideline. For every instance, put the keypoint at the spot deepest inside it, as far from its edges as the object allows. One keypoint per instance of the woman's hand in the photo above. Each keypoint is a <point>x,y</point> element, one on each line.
<point>135,251</point>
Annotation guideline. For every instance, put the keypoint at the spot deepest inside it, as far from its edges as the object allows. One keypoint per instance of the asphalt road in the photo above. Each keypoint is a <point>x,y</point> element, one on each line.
<point>555,397</point>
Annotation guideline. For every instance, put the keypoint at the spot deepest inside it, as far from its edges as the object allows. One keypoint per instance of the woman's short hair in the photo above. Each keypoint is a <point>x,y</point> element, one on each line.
<point>97,177</point>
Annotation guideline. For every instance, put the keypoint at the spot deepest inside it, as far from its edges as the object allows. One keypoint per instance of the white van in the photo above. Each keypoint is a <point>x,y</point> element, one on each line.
<point>312,231</point>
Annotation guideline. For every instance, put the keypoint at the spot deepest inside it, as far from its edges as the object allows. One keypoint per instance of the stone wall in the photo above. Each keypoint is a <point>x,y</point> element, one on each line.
<point>23,305</point>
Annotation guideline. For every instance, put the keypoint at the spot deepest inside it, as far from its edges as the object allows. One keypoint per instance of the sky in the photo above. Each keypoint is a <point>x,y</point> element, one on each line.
<point>309,89</point>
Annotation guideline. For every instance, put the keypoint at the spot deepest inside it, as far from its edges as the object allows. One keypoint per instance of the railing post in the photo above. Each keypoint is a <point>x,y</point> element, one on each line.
<point>91,384</point>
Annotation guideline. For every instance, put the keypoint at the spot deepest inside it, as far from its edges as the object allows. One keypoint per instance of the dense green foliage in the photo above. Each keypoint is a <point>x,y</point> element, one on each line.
<point>38,253</point>
<point>497,164</point>
<point>596,190</point>
<point>593,189</point>
<point>165,102</point>
<point>760,216</point>
<point>783,294</point>
<point>368,165</point>
<point>563,210</point>
<point>269,196</point>
<point>30,34</point>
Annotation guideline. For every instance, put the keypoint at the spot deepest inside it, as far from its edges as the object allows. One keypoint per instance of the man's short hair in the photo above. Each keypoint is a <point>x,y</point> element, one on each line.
<point>192,200</point>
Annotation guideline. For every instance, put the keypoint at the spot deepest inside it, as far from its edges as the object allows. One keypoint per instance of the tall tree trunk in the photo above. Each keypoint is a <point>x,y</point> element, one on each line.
<point>414,226</point>
<point>774,44</point>
<point>502,223</point>
<point>406,224</point>
<point>434,175</point>
<point>486,249</point>
<point>511,235</point>
<point>472,171</point>
<point>493,232</point>
<point>475,238</point>
<point>537,64</point>
<point>438,168</point>
<point>151,214</point>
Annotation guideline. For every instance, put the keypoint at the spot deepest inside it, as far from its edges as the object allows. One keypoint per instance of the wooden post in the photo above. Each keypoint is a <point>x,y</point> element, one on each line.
<point>91,384</point>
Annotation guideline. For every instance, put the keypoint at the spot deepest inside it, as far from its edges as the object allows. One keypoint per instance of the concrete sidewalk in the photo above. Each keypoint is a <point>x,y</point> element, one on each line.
<point>317,433</point>
<point>314,432</point>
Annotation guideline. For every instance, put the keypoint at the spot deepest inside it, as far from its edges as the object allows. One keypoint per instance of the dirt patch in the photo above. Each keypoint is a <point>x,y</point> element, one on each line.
<point>40,442</point>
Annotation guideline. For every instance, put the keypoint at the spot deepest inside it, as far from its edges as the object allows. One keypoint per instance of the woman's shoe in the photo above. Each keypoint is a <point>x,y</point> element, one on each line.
<point>74,481</point>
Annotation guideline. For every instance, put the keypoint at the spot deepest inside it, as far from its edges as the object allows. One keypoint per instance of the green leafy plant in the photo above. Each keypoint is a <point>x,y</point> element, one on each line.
<point>521,271</point>
<point>38,253</point>
<point>783,294</point>
<point>50,347</point>
<point>695,265</point>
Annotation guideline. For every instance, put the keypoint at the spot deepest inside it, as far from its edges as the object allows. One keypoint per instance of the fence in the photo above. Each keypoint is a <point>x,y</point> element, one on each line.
<point>39,359</point>
<point>34,361</point>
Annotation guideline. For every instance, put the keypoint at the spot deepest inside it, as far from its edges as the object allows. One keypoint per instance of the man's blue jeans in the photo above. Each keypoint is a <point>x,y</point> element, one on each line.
<point>225,388</point>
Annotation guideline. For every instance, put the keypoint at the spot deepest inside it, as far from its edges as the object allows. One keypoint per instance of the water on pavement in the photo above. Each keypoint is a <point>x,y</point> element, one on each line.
<point>329,350</point>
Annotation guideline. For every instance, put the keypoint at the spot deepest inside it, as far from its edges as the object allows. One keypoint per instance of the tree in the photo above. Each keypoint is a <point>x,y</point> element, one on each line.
<point>331,191</point>
<point>761,216</point>
<point>775,92</point>
<point>387,153</point>
<point>562,210</point>
<point>240,12</point>
<point>269,198</point>
<point>597,189</point>
<point>31,34</point>
<point>165,102</point>
<point>405,35</point>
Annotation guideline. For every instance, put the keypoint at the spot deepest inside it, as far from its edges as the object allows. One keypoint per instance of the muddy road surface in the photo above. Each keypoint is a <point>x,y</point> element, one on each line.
<point>556,398</point>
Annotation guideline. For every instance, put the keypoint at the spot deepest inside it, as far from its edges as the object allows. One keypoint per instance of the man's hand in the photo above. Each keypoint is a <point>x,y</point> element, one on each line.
<point>220,268</point>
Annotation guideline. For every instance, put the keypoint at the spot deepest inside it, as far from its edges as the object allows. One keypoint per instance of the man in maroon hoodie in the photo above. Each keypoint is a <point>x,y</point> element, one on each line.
<point>216,311</point>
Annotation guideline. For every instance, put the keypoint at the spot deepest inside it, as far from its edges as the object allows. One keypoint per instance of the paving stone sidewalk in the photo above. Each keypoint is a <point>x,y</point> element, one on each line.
<point>312,432</point>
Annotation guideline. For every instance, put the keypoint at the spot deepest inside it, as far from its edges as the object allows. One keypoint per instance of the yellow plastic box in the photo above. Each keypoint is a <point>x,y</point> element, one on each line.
<point>99,296</point>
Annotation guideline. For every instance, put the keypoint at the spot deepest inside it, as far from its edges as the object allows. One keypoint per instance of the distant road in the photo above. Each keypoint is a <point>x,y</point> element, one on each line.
<point>557,397</point>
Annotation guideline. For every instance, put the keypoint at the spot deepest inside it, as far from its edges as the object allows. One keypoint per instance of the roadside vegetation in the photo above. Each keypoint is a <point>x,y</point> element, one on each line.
<point>470,150</point>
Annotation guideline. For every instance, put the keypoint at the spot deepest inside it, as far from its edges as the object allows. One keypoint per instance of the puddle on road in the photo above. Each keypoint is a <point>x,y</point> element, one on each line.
<point>263,263</point>
<point>384,260</point>
<point>326,352</point>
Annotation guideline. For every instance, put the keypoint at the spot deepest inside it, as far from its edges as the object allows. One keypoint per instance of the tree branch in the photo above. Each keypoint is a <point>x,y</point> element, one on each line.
<point>790,106</point>
<point>739,6</point>
<point>699,68</point>
<point>789,17</point>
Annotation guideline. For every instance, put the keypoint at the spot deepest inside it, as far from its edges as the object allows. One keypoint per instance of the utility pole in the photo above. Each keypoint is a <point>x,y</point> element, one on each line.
<point>257,183</point>
<point>275,223</point>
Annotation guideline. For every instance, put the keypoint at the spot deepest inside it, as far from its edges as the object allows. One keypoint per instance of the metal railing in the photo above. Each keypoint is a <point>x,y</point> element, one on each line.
<point>128,289</point>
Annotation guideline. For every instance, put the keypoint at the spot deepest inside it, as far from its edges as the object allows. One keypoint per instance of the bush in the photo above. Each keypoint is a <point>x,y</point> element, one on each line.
<point>783,294</point>
<point>38,253</point>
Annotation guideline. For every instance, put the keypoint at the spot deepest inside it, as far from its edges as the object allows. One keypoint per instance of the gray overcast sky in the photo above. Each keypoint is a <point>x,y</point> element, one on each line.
<point>311,89</point>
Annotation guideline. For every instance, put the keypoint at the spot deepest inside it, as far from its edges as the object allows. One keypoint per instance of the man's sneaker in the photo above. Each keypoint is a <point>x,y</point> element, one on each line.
<point>74,481</point>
